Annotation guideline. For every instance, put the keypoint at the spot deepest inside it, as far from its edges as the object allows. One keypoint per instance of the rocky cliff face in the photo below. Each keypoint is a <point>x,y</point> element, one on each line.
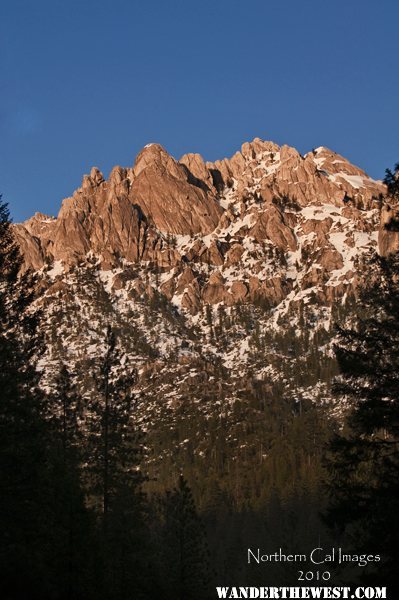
<point>221,280</point>
<point>388,235</point>
<point>267,224</point>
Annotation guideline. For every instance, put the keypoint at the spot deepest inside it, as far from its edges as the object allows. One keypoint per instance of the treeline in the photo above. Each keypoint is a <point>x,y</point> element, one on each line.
<point>74,522</point>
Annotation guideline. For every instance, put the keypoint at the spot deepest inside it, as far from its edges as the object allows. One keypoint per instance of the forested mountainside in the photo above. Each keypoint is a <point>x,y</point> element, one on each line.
<point>195,304</point>
<point>222,282</point>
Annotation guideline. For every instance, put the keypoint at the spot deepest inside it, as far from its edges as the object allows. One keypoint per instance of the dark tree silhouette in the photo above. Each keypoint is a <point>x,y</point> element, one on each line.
<point>42,515</point>
<point>391,180</point>
<point>364,459</point>
<point>186,560</point>
<point>22,433</point>
<point>113,475</point>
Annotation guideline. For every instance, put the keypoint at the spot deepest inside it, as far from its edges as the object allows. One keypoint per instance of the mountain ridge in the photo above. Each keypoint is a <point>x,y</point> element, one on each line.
<point>221,308</point>
<point>218,228</point>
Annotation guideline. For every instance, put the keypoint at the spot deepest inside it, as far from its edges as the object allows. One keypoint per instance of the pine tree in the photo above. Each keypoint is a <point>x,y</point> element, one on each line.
<point>391,180</point>
<point>113,445</point>
<point>113,454</point>
<point>77,540</point>
<point>23,447</point>
<point>364,459</point>
<point>64,411</point>
<point>40,507</point>
<point>186,562</point>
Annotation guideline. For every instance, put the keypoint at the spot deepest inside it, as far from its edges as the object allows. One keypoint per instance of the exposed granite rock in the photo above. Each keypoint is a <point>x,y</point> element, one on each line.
<point>388,234</point>
<point>162,189</point>
<point>253,227</point>
<point>271,225</point>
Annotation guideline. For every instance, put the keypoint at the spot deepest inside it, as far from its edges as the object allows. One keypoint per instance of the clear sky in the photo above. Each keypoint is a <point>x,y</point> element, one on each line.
<point>87,82</point>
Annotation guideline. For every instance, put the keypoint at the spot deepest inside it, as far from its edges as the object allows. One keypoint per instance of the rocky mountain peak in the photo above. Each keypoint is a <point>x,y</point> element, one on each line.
<point>267,223</point>
<point>221,282</point>
<point>93,180</point>
<point>154,155</point>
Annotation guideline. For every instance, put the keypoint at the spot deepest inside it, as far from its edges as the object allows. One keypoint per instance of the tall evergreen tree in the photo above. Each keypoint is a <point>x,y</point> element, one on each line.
<point>22,433</point>
<point>36,497</point>
<point>391,180</point>
<point>64,411</point>
<point>185,561</point>
<point>77,540</point>
<point>364,458</point>
<point>113,473</point>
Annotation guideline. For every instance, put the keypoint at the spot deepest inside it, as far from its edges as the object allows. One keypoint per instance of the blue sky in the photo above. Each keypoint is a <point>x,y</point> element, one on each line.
<point>89,83</point>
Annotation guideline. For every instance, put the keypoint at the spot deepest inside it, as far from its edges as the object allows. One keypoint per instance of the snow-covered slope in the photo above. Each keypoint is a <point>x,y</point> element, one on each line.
<point>221,280</point>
